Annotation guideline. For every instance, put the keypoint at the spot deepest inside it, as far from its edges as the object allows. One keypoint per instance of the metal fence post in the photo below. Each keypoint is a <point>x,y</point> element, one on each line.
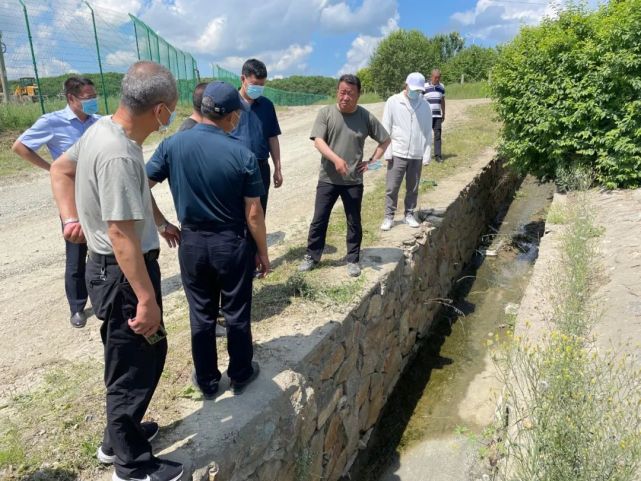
<point>136,35</point>
<point>4,83</point>
<point>102,77</point>
<point>33,56</point>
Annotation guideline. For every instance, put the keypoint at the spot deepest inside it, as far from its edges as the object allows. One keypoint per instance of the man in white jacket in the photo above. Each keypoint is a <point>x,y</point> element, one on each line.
<point>408,119</point>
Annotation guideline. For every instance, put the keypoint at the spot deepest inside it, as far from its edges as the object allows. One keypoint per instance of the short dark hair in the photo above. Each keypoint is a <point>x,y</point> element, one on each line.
<point>350,79</point>
<point>254,67</point>
<point>197,96</point>
<point>73,85</point>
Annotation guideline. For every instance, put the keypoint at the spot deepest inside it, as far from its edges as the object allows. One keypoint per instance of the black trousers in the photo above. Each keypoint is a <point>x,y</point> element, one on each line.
<point>437,126</point>
<point>132,366</point>
<point>326,196</point>
<point>266,174</point>
<point>218,264</point>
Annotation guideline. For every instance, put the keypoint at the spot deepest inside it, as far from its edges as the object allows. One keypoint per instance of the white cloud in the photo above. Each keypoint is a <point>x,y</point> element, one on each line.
<point>364,46</point>
<point>54,67</point>
<point>293,59</point>
<point>223,29</point>
<point>121,59</point>
<point>495,21</point>
<point>366,19</point>
<point>279,32</point>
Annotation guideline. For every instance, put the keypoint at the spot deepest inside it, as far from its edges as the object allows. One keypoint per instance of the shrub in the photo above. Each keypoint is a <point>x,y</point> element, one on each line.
<point>569,94</point>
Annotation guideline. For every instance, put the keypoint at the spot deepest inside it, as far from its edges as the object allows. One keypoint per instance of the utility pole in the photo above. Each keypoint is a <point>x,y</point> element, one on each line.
<point>4,83</point>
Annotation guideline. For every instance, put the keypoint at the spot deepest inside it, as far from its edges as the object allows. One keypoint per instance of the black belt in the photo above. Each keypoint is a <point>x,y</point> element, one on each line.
<point>214,227</point>
<point>110,259</point>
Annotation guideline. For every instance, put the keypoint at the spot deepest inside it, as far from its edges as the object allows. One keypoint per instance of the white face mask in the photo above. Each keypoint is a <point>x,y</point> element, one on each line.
<point>163,127</point>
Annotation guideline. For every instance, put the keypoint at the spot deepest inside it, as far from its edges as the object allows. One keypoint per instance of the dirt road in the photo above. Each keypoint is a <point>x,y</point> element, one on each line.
<point>34,329</point>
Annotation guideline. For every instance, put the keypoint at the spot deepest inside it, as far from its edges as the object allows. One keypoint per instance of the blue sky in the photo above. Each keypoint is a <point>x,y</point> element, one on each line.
<point>308,37</point>
<point>323,37</point>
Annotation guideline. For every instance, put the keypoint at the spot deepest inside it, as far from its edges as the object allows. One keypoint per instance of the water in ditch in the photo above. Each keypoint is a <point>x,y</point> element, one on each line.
<point>445,396</point>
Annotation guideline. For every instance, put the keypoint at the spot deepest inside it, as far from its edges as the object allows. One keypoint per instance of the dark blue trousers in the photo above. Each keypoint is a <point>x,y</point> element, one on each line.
<point>218,264</point>
<point>266,175</point>
<point>75,286</point>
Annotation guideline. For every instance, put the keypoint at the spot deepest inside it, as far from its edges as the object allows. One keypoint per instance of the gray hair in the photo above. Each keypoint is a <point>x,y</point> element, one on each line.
<point>436,72</point>
<point>147,84</point>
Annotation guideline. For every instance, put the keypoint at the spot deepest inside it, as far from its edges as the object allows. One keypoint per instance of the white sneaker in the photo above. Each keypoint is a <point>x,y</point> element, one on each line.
<point>387,224</point>
<point>411,221</point>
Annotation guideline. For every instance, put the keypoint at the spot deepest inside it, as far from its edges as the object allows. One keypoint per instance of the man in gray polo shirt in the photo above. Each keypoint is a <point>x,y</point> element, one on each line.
<point>102,193</point>
<point>339,134</point>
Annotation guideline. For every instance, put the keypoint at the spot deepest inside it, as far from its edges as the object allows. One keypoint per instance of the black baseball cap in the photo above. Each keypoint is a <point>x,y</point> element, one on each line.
<point>221,98</point>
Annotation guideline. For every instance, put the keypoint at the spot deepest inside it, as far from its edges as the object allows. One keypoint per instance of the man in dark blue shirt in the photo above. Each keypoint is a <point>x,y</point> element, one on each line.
<point>216,187</point>
<point>258,128</point>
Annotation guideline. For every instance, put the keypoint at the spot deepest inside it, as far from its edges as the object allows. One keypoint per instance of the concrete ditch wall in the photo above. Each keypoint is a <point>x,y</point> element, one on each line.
<point>331,399</point>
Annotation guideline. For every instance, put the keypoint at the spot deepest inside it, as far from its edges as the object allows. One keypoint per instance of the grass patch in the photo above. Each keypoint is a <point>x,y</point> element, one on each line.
<point>556,214</point>
<point>461,145</point>
<point>473,90</point>
<point>20,116</point>
<point>574,411</point>
<point>54,424</point>
<point>10,163</point>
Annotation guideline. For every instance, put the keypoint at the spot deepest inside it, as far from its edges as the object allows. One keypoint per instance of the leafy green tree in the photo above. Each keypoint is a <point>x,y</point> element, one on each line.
<point>450,44</point>
<point>473,62</point>
<point>308,84</point>
<point>367,79</point>
<point>569,94</point>
<point>403,52</point>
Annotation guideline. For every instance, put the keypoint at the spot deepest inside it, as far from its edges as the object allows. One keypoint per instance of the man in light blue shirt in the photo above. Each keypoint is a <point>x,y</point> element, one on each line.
<point>59,130</point>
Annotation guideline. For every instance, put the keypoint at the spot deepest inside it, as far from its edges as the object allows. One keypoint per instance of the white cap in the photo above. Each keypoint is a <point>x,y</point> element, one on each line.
<point>415,81</point>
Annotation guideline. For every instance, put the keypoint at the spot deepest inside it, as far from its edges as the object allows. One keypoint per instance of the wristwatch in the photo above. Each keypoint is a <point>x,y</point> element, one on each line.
<point>162,228</point>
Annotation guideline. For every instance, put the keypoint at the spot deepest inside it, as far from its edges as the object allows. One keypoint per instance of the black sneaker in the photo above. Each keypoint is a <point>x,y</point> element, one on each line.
<point>163,470</point>
<point>239,387</point>
<point>106,454</point>
<point>207,392</point>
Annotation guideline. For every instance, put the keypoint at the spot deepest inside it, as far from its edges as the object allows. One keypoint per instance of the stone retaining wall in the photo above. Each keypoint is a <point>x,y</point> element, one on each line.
<point>332,399</point>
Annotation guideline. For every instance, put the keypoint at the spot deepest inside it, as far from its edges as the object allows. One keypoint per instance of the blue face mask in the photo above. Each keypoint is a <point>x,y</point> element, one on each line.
<point>412,94</point>
<point>172,116</point>
<point>89,106</point>
<point>254,91</point>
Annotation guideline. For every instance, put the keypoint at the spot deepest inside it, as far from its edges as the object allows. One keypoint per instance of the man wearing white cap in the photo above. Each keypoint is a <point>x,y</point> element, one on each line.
<point>408,119</point>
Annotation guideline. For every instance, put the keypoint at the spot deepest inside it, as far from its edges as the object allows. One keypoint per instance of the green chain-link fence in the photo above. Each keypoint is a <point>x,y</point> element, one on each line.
<point>45,41</point>
<point>279,97</point>
<point>151,46</point>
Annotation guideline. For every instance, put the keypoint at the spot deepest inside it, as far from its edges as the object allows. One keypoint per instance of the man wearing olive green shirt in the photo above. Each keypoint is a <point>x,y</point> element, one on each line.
<point>339,134</point>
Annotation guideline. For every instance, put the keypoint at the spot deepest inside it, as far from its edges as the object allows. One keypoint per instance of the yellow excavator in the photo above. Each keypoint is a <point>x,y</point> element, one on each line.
<point>26,89</point>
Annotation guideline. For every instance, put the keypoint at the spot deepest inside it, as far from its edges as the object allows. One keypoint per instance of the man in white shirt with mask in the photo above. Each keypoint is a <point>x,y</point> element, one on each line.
<point>408,119</point>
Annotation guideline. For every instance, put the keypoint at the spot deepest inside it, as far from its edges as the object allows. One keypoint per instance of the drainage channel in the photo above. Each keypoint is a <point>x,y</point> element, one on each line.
<point>448,392</point>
